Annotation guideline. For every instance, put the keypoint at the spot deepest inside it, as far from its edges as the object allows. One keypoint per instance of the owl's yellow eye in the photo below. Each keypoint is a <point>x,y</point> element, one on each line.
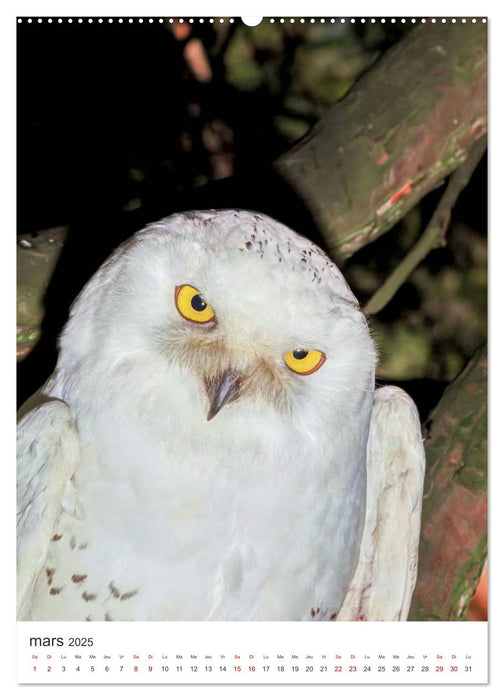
<point>191,304</point>
<point>304,361</point>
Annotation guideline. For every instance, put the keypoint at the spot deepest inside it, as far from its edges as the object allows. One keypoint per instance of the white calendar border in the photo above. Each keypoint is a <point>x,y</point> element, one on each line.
<point>7,293</point>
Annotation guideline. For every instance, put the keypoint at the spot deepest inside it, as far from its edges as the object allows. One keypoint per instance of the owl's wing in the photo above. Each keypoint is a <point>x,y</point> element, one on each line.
<point>47,457</point>
<point>386,573</point>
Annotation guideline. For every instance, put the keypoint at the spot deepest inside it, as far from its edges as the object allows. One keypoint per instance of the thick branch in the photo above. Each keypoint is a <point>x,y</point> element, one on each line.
<point>36,259</point>
<point>453,543</point>
<point>434,234</point>
<point>404,126</point>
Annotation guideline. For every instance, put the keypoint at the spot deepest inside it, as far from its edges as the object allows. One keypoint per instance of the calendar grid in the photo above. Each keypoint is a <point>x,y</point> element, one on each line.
<point>252,653</point>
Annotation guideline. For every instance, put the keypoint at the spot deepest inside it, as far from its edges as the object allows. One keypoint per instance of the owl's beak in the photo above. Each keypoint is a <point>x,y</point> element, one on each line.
<point>221,390</point>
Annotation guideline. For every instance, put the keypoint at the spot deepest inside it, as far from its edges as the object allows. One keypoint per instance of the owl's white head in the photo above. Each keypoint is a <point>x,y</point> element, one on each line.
<point>242,306</point>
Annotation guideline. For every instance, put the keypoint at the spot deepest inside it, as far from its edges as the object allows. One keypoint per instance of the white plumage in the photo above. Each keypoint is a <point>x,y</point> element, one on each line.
<point>201,450</point>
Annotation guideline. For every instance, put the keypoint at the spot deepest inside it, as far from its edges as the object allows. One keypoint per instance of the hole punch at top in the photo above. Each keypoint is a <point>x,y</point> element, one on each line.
<point>251,21</point>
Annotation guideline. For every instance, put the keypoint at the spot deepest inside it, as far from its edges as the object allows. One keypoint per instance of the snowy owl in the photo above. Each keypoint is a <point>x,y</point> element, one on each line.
<point>211,445</point>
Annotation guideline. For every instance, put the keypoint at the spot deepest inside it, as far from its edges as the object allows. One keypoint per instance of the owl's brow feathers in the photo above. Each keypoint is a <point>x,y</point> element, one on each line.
<point>211,357</point>
<point>253,233</point>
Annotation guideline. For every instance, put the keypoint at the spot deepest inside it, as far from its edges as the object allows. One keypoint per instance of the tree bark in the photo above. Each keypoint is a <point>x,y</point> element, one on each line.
<point>407,123</point>
<point>434,234</point>
<point>453,541</point>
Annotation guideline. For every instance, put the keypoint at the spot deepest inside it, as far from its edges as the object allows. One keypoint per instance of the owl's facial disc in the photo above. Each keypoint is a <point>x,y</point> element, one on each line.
<point>241,369</point>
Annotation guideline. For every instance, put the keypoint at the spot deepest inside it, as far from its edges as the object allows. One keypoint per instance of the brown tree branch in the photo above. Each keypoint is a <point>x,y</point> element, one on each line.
<point>453,541</point>
<point>434,234</point>
<point>406,124</point>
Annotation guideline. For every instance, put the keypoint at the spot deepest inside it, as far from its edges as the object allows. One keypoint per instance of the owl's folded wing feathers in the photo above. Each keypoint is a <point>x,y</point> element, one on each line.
<point>47,456</point>
<point>386,574</point>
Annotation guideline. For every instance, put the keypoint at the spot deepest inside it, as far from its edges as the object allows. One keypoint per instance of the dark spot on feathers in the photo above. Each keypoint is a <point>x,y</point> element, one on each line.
<point>114,590</point>
<point>248,245</point>
<point>78,578</point>
<point>55,591</point>
<point>108,618</point>
<point>127,596</point>
<point>72,542</point>
<point>89,596</point>
<point>312,612</point>
<point>333,616</point>
<point>50,574</point>
<point>56,538</point>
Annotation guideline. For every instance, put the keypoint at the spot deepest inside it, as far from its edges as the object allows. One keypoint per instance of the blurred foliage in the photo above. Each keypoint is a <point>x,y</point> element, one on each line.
<point>133,126</point>
<point>322,62</point>
<point>439,317</point>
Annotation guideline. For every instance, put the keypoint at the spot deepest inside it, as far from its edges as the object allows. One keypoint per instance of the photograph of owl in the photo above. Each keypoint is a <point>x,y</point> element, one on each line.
<point>211,445</point>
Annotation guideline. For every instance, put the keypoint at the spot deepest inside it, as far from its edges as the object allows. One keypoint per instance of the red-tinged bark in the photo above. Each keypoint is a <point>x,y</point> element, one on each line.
<point>453,543</point>
<point>407,123</point>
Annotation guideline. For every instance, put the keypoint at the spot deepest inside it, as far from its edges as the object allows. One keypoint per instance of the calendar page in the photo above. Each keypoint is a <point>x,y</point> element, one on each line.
<point>252,365</point>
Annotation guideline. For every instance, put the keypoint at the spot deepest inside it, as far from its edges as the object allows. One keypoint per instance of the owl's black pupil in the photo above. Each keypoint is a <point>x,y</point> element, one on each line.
<point>197,303</point>
<point>300,354</point>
